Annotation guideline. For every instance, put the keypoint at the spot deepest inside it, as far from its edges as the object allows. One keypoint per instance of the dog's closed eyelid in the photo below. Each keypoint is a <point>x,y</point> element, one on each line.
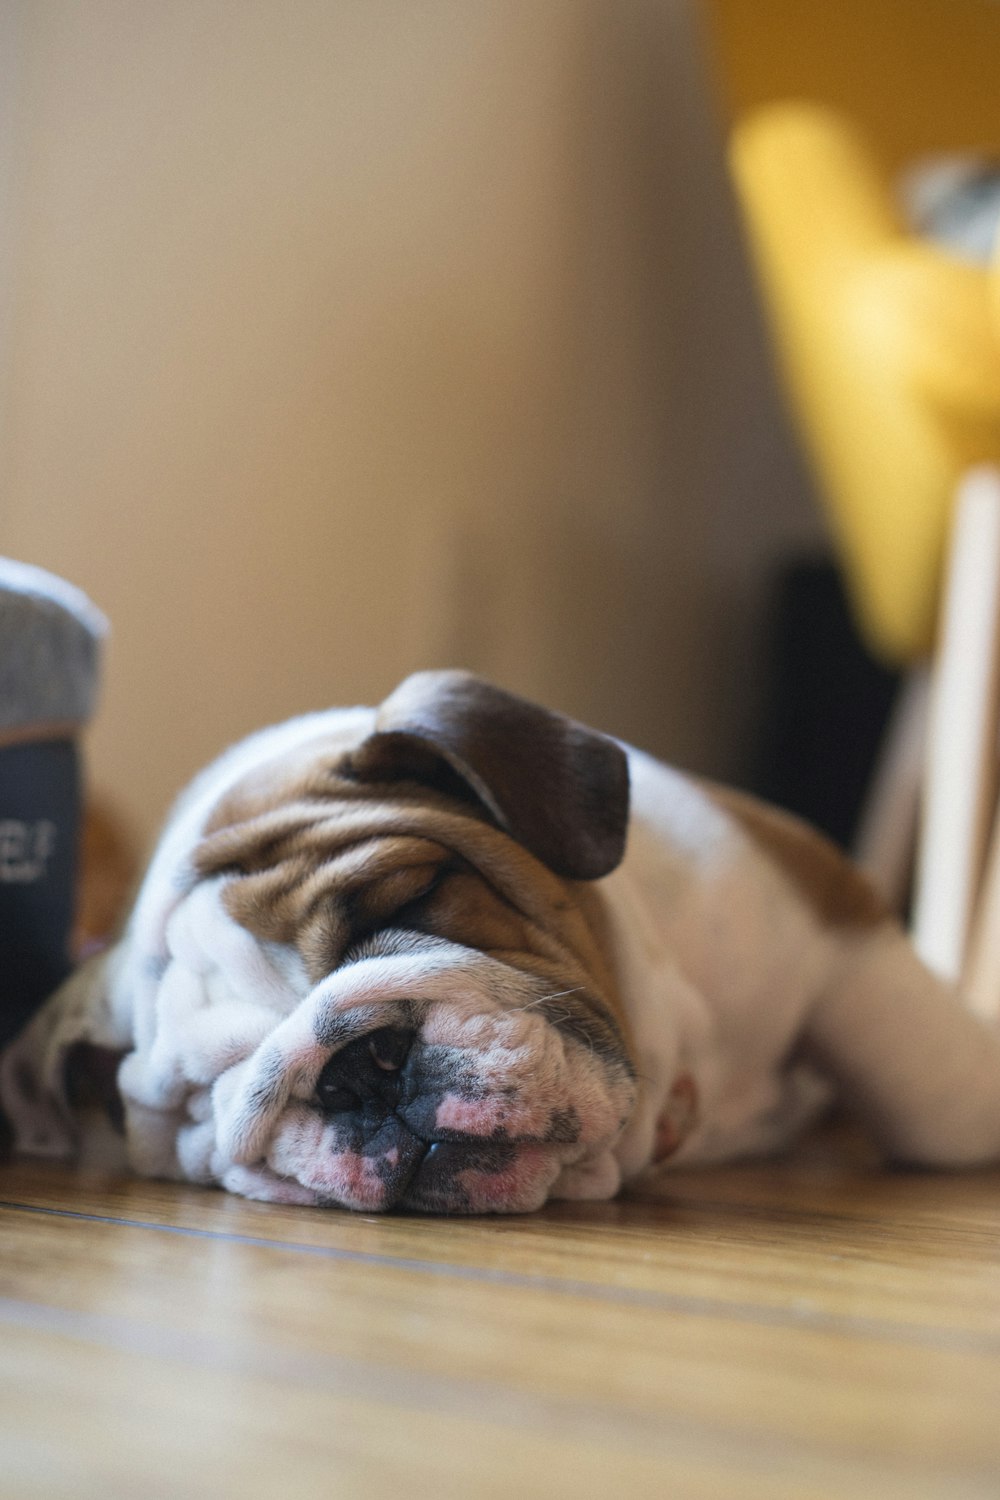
<point>437,875</point>
<point>372,915</point>
<point>414,903</point>
<point>378,902</point>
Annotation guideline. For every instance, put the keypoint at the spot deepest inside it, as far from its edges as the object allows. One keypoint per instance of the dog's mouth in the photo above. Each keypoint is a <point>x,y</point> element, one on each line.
<point>411,1128</point>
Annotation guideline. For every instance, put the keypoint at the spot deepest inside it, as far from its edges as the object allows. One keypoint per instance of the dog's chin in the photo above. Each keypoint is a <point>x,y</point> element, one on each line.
<point>416,1123</point>
<point>461,1176</point>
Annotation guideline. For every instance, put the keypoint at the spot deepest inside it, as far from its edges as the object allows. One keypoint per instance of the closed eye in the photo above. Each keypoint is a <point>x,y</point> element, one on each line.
<point>394,903</point>
<point>411,910</point>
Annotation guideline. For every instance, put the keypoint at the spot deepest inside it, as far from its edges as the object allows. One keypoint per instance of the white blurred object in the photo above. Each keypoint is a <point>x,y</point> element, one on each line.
<point>961,764</point>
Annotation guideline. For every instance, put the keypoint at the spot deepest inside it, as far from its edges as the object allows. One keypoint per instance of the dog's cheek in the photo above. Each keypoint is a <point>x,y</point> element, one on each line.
<point>603,1098</point>
<point>336,1165</point>
<point>502,1093</point>
<point>519,1187</point>
<point>493,1073</point>
<point>497,1114</point>
<point>596,1178</point>
<point>266,1186</point>
<point>299,1148</point>
<point>554,1090</point>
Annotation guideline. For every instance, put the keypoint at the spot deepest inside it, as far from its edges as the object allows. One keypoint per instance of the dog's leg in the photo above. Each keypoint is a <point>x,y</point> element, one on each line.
<point>921,1070</point>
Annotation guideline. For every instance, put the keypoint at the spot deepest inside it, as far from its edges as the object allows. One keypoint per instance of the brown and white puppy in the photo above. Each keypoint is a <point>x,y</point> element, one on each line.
<point>428,956</point>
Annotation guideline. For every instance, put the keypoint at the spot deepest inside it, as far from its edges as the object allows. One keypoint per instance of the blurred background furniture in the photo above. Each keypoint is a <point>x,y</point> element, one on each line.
<point>889,345</point>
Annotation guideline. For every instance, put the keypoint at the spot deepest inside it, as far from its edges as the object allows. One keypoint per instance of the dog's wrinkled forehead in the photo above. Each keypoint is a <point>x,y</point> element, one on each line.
<point>442,820</point>
<point>463,810</point>
<point>557,788</point>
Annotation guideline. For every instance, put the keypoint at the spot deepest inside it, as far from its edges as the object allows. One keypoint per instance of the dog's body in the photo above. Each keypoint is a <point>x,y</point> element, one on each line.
<point>400,957</point>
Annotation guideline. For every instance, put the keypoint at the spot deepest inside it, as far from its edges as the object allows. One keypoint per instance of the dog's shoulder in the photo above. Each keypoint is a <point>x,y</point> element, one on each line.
<point>822,875</point>
<point>708,825</point>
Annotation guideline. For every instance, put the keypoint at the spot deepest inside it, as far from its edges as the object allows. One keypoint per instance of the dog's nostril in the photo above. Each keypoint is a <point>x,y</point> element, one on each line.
<point>334,1097</point>
<point>368,1072</point>
<point>389,1047</point>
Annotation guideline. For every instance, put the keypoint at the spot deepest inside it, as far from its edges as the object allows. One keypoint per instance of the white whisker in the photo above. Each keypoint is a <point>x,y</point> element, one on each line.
<point>544,999</point>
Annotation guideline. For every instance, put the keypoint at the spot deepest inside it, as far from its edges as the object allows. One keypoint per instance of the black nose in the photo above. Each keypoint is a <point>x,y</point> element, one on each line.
<point>366,1072</point>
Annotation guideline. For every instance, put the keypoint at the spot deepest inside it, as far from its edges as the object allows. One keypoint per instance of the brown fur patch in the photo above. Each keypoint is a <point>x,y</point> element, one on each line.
<point>837,891</point>
<point>324,863</point>
<point>109,872</point>
<point>557,787</point>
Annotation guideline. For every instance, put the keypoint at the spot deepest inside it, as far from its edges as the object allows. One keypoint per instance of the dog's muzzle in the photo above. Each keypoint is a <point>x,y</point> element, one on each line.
<point>433,1078</point>
<point>385,1093</point>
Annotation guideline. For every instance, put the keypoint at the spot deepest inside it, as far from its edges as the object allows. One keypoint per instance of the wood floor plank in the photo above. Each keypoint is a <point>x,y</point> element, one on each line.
<point>876,1253</point>
<point>799,1328</point>
<point>130,1425</point>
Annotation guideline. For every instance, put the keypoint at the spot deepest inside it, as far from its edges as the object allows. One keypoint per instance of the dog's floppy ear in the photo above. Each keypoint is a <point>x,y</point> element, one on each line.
<point>557,787</point>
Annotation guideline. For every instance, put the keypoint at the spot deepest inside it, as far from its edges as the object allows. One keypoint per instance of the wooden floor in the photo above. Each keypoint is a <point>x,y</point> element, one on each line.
<point>810,1328</point>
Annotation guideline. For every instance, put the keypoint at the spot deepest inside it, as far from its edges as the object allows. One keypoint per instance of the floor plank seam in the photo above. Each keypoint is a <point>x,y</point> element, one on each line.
<point>797,1318</point>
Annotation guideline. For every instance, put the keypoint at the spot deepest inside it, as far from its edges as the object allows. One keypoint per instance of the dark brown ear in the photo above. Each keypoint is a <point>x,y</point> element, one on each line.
<point>558,788</point>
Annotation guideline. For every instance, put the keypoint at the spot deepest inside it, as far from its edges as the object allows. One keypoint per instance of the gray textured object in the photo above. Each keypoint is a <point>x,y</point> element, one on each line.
<point>955,200</point>
<point>50,642</point>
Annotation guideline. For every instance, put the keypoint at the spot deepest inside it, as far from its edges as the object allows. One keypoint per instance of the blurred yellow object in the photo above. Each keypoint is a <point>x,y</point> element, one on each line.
<point>890,346</point>
<point>891,352</point>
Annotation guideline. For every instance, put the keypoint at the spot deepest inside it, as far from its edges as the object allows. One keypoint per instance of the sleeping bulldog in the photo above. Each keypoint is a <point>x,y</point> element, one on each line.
<point>460,954</point>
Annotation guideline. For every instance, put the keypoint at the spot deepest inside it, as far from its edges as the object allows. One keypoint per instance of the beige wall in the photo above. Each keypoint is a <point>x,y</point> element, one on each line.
<point>339,339</point>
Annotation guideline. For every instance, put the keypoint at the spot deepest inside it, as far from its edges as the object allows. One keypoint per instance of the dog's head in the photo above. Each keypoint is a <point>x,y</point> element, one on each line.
<point>459,1046</point>
<point>388,979</point>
